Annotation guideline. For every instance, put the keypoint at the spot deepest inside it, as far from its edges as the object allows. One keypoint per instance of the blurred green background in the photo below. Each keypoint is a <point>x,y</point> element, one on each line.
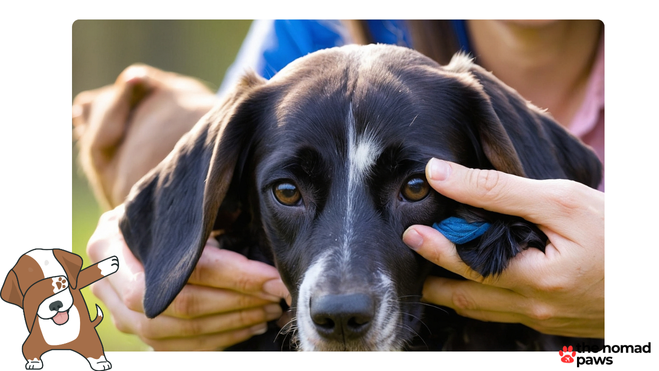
<point>101,50</point>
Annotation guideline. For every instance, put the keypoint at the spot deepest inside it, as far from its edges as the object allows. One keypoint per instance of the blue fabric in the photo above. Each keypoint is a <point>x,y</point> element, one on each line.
<point>389,32</point>
<point>459,231</point>
<point>461,32</point>
<point>292,39</point>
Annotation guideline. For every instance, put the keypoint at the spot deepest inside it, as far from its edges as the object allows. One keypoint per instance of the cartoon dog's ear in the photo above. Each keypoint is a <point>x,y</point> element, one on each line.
<point>71,263</point>
<point>169,214</point>
<point>11,292</point>
<point>518,138</point>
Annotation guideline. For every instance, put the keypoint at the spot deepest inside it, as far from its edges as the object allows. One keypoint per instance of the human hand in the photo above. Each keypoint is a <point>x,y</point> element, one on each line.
<point>227,300</point>
<point>560,291</point>
<point>126,129</point>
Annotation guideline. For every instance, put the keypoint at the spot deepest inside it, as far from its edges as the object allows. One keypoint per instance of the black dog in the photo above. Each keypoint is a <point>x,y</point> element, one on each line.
<point>320,170</point>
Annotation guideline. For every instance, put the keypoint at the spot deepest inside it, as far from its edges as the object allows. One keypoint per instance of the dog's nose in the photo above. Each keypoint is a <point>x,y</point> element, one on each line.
<point>55,306</point>
<point>342,317</point>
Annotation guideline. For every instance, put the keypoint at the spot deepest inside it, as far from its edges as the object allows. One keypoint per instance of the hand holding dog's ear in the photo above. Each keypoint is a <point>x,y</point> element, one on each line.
<point>227,300</point>
<point>127,128</point>
<point>560,291</point>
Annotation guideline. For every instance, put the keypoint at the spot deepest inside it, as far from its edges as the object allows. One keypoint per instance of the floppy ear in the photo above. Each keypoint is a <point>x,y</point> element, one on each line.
<point>71,263</point>
<point>11,292</point>
<point>518,138</point>
<point>544,148</point>
<point>169,214</point>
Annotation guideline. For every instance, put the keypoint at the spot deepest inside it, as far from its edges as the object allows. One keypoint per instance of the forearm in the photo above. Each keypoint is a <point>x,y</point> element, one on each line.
<point>126,129</point>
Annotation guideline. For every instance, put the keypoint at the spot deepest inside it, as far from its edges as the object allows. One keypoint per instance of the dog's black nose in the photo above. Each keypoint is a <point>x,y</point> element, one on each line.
<point>342,317</point>
<point>55,306</point>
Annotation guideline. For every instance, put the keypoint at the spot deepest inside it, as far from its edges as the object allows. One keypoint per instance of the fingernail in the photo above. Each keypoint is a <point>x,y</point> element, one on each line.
<point>438,170</point>
<point>412,238</point>
<point>272,311</point>
<point>275,288</point>
<point>134,74</point>
<point>259,329</point>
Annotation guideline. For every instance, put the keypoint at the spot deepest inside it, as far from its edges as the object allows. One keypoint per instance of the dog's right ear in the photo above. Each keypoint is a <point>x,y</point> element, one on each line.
<point>11,292</point>
<point>170,212</point>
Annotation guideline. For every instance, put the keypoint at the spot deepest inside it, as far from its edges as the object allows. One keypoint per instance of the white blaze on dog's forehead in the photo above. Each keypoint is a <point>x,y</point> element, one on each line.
<point>49,265</point>
<point>363,156</point>
<point>363,150</point>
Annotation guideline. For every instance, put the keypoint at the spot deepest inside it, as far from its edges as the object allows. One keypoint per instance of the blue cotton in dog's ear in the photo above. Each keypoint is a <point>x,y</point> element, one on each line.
<point>460,231</point>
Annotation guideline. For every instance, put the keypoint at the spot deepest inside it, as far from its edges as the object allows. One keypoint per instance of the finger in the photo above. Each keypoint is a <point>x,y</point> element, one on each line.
<point>128,321</point>
<point>106,241</point>
<point>475,300</point>
<point>538,201</point>
<point>276,289</point>
<point>229,270</point>
<point>436,248</point>
<point>195,301</point>
<point>165,327</point>
<point>81,108</point>
<point>124,319</point>
<point>130,87</point>
<point>523,272</point>
<point>217,341</point>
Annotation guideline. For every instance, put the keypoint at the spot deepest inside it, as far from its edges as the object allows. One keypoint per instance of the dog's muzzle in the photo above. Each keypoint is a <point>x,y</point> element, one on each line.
<point>346,316</point>
<point>36,294</point>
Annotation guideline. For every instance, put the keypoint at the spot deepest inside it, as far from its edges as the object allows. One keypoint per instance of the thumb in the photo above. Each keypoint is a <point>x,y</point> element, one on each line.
<point>543,202</point>
<point>489,189</point>
<point>107,111</point>
<point>433,246</point>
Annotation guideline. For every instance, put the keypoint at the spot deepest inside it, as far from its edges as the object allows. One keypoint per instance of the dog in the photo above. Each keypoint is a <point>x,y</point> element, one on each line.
<point>46,284</point>
<point>320,170</point>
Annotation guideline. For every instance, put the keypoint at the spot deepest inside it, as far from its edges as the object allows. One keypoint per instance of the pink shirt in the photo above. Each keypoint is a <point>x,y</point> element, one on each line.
<point>588,122</point>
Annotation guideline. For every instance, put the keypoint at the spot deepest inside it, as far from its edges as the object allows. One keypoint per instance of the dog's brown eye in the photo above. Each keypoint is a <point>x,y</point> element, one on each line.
<point>287,194</point>
<point>415,189</point>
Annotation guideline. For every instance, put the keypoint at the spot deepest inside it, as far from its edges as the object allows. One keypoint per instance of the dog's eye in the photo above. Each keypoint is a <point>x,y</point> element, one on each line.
<point>415,189</point>
<point>287,194</point>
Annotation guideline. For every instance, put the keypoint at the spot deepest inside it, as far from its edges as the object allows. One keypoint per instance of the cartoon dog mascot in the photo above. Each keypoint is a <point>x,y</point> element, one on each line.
<point>46,284</point>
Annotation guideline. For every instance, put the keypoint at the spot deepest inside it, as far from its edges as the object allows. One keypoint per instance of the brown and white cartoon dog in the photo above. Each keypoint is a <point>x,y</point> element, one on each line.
<point>46,283</point>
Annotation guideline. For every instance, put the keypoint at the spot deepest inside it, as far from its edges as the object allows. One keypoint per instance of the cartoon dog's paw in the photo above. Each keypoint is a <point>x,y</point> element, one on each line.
<point>109,265</point>
<point>99,364</point>
<point>34,364</point>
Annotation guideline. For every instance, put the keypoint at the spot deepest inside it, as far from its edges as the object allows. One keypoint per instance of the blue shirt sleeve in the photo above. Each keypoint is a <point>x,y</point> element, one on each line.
<point>292,39</point>
<point>271,45</point>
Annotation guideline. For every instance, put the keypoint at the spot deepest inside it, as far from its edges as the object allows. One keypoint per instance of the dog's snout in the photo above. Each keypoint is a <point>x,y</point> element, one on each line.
<point>55,306</point>
<point>342,317</point>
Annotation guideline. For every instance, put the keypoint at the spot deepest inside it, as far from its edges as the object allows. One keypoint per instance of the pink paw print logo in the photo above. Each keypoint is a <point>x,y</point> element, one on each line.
<point>567,354</point>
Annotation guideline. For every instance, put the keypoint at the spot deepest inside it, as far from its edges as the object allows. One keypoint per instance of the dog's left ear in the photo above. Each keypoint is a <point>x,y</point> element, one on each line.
<point>11,292</point>
<point>518,138</point>
<point>170,212</point>
<point>71,263</point>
